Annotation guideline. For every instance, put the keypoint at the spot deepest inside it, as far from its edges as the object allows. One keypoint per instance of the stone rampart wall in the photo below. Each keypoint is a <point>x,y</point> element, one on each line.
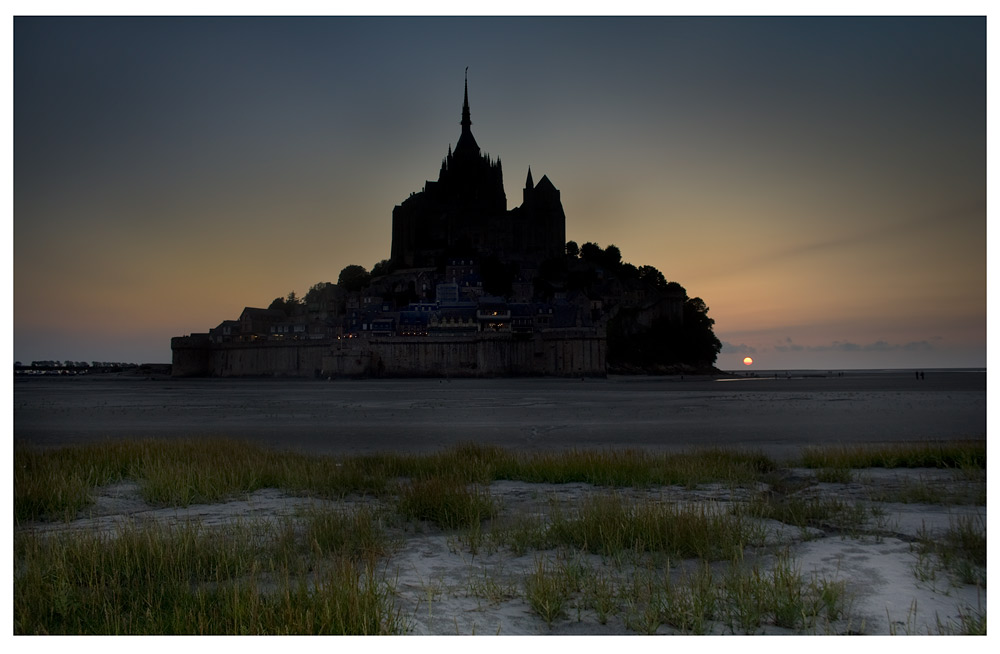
<point>559,353</point>
<point>191,356</point>
<point>272,359</point>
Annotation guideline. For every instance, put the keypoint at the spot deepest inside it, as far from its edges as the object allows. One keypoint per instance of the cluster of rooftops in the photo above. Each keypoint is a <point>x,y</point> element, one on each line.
<point>447,305</point>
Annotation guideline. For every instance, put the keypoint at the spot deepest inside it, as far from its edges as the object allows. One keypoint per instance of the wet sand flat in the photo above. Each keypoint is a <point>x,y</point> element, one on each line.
<point>776,416</point>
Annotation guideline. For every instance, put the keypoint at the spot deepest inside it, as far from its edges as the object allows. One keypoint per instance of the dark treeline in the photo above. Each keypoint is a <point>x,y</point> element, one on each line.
<point>51,367</point>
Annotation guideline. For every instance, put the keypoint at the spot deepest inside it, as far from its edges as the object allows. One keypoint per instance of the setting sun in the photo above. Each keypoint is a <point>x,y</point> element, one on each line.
<point>747,361</point>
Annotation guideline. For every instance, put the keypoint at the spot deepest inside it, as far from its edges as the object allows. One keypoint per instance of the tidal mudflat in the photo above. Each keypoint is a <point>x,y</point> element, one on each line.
<point>778,416</point>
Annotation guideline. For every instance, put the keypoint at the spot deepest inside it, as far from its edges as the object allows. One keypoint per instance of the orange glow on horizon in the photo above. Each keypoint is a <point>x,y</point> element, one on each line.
<point>747,361</point>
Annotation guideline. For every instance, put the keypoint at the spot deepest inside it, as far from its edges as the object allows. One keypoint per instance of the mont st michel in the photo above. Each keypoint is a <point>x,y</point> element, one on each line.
<point>486,413</point>
<point>471,289</point>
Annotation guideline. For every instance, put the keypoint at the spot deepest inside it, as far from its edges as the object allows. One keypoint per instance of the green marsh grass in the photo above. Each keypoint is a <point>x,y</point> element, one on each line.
<point>241,579</point>
<point>493,585</point>
<point>546,591</point>
<point>961,550</point>
<point>747,598</point>
<point>359,533</point>
<point>635,468</point>
<point>744,599</point>
<point>447,503</point>
<point>56,484</point>
<point>969,454</point>
<point>318,572</point>
<point>835,475</point>
<point>971,622</point>
<point>830,597</point>
<point>851,517</point>
<point>482,464</point>
<point>601,595</point>
<point>689,605</point>
<point>968,487</point>
<point>639,595</point>
<point>788,601</point>
<point>610,524</point>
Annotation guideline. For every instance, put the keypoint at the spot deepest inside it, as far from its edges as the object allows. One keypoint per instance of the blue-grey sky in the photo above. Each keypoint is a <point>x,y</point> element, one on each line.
<point>819,182</point>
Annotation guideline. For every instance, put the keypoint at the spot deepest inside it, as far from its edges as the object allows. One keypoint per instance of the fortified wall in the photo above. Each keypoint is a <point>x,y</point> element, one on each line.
<point>565,353</point>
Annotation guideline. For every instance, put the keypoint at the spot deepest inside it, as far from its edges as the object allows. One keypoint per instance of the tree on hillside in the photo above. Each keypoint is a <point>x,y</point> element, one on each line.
<point>591,252</point>
<point>674,287</point>
<point>690,341</point>
<point>353,278</point>
<point>702,344</point>
<point>612,256</point>
<point>383,267</point>
<point>288,304</point>
<point>652,277</point>
<point>628,272</point>
<point>323,296</point>
<point>316,291</point>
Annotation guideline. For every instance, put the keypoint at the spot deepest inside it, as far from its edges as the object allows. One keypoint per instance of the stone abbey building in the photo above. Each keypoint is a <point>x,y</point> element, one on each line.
<point>429,316</point>
<point>464,213</point>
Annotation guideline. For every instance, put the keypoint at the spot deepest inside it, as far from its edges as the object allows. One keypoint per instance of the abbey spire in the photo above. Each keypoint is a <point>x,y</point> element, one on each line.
<point>467,145</point>
<point>466,116</point>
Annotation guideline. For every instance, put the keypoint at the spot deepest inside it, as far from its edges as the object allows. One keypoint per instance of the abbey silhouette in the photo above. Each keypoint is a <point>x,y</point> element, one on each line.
<point>470,289</point>
<point>464,213</point>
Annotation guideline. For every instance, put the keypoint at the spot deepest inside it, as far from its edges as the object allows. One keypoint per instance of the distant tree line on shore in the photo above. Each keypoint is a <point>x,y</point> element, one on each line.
<point>75,365</point>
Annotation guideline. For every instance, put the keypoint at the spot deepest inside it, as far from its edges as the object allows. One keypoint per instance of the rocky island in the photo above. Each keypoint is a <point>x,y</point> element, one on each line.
<point>471,289</point>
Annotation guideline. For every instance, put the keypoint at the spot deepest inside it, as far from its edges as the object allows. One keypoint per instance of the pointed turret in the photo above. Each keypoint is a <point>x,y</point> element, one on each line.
<point>529,184</point>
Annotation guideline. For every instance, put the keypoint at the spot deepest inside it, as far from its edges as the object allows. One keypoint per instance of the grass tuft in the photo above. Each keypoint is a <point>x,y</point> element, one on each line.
<point>821,512</point>
<point>611,524</point>
<point>546,592</point>
<point>449,504</point>
<point>961,550</point>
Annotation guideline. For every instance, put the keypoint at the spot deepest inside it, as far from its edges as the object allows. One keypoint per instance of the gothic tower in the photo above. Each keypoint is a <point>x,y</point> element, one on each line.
<point>464,213</point>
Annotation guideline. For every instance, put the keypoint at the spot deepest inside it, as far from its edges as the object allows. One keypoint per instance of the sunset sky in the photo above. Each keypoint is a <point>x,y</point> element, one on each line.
<point>819,182</point>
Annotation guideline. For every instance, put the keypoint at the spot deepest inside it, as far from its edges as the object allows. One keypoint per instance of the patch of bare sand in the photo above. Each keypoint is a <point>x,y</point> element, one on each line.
<point>444,587</point>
